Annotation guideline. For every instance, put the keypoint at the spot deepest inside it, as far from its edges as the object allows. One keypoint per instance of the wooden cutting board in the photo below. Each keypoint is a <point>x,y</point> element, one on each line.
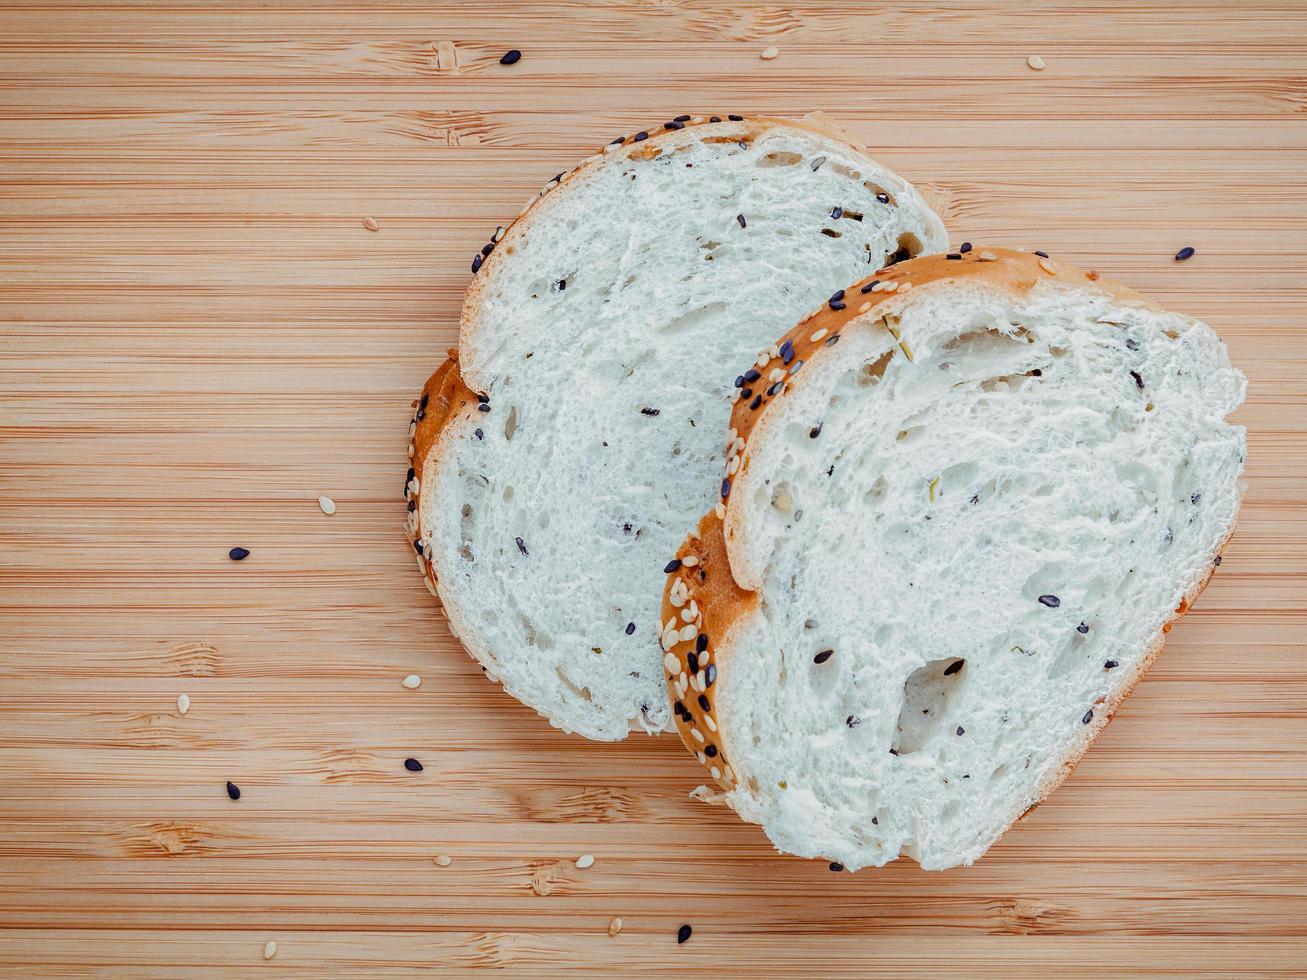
<point>201,336</point>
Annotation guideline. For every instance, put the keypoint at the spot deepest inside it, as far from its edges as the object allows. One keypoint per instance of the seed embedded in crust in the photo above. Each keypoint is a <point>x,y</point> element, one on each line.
<point>819,335</point>
<point>671,566</point>
<point>1035,62</point>
<point>1049,266</point>
<point>689,561</point>
<point>768,53</point>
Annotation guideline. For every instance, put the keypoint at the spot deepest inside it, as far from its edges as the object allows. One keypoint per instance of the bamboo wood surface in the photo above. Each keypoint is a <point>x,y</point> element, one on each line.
<point>199,337</point>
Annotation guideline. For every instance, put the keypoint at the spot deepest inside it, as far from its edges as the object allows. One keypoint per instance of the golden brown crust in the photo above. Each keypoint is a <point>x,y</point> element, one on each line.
<point>709,583</point>
<point>442,397</point>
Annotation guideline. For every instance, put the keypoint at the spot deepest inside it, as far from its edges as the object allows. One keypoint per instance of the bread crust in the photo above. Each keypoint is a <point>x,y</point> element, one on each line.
<point>705,571</point>
<point>447,395</point>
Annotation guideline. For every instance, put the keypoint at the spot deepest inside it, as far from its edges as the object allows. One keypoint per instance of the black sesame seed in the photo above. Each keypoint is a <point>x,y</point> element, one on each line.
<point>746,393</point>
<point>953,668</point>
<point>836,296</point>
<point>869,286</point>
<point>735,118</point>
<point>476,261</point>
<point>753,405</point>
<point>1195,497</point>
<point>511,57</point>
<point>480,434</point>
<point>961,730</point>
<point>630,628</point>
<point>640,136</point>
<point>701,643</point>
<point>682,934</point>
<point>832,340</point>
<point>1051,601</point>
<point>726,487</point>
<point>752,375</point>
<point>954,256</point>
<point>714,118</point>
<point>739,381</point>
<point>417,546</point>
<point>1132,344</point>
<point>773,389</point>
<point>562,284</point>
<point>1089,716</point>
<point>412,506</point>
<point>672,566</point>
<point>685,118</point>
<point>964,248</point>
<point>740,219</point>
<point>837,212</point>
<point>823,656</point>
<point>893,751</point>
<point>1216,560</point>
<point>692,662</point>
<point>875,821</point>
<point>1139,381</point>
<point>411,473</point>
<point>412,765</point>
<point>1184,253</point>
<point>975,498</point>
<point>238,554</point>
<point>521,546</point>
<point>711,750</point>
<point>883,198</point>
<point>650,411</point>
<point>483,407</point>
<point>487,248</point>
<point>853,721</point>
<point>1042,255</point>
<point>709,675</point>
<point>620,139</point>
<point>1082,629</point>
<point>816,164</point>
<point>674,125</point>
<point>707,706</point>
<point>423,403</point>
<point>233,790</point>
<point>836,866</point>
<point>1111,663</point>
<point>815,431</point>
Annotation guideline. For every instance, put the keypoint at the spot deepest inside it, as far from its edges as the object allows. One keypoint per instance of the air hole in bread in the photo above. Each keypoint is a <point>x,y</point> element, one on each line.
<point>873,370</point>
<point>928,697</point>
<point>699,319</point>
<point>909,246</point>
<point>510,424</point>
<point>508,493</point>
<point>846,171</point>
<point>782,498</point>
<point>780,158</point>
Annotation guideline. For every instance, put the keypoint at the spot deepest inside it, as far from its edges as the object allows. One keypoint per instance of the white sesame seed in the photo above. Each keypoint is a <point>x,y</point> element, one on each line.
<point>987,256</point>
<point>864,307</point>
<point>410,450</point>
<point>698,735</point>
<point>183,703</point>
<point>1048,265</point>
<point>431,586</point>
<point>669,625</point>
<point>687,614</point>
<point>889,287</point>
<point>269,949</point>
<point>442,860</point>
<point>328,505</point>
<point>762,360</point>
<point>776,374</point>
<point>414,486</point>
<point>499,233</point>
<point>716,773</point>
<point>701,681</point>
<point>689,561</point>
<point>904,286</point>
<point>614,926</point>
<point>720,512</point>
<point>733,466</point>
<point>693,609</point>
<point>412,681</point>
<point>1035,62</point>
<point>767,54</point>
<point>675,598</point>
<point>730,776</point>
<point>705,657</point>
<point>371,224</point>
<point>879,287</point>
<point>819,335</point>
<point>703,759</point>
<point>688,633</point>
<point>712,725</point>
<point>412,430</point>
<point>671,664</point>
<point>682,681</point>
<point>669,639</point>
<point>739,443</point>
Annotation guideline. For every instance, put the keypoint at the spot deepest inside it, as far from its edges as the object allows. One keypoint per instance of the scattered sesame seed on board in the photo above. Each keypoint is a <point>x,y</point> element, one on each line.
<point>328,505</point>
<point>233,791</point>
<point>412,765</point>
<point>511,57</point>
<point>1185,253</point>
<point>442,860</point>
<point>183,703</point>
<point>1035,62</point>
<point>585,861</point>
<point>768,53</point>
<point>371,224</point>
<point>412,681</point>
<point>614,926</point>
<point>269,949</point>
<point>683,934</point>
<point>238,554</point>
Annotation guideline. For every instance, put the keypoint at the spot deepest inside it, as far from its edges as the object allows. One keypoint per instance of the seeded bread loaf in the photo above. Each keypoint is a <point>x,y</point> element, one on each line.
<point>955,527</point>
<point>572,443</point>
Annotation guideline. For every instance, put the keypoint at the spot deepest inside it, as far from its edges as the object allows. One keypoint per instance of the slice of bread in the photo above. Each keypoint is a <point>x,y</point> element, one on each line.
<point>953,536</point>
<point>558,464</point>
